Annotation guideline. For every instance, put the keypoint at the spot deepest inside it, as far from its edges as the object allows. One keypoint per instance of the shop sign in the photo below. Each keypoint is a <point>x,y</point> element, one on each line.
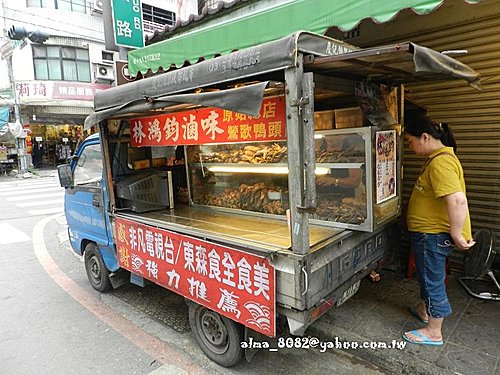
<point>233,283</point>
<point>211,125</point>
<point>385,165</point>
<point>58,90</point>
<point>122,74</point>
<point>6,50</point>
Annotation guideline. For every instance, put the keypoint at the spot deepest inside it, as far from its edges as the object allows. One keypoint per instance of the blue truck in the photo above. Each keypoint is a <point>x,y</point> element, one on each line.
<point>262,186</point>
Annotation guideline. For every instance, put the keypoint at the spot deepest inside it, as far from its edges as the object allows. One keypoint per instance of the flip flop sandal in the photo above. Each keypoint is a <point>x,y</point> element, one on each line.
<point>425,339</point>
<point>414,312</point>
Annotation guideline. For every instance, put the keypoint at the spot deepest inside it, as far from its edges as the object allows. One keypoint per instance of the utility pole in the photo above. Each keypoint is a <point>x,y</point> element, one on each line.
<point>20,33</point>
<point>18,130</point>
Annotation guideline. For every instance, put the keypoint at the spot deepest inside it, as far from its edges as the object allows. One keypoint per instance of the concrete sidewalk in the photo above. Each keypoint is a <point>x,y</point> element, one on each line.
<point>379,312</point>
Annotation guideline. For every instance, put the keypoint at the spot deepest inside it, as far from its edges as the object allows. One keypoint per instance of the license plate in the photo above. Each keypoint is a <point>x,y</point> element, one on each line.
<point>349,293</point>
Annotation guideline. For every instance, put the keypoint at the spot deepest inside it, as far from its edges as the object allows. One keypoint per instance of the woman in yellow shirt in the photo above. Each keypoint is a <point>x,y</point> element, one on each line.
<point>438,220</point>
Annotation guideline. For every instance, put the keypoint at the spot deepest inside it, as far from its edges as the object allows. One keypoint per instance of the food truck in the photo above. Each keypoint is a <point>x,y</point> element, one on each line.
<point>261,185</point>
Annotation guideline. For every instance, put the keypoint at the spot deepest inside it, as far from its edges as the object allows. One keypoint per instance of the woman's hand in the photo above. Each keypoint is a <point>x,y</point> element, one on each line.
<point>461,243</point>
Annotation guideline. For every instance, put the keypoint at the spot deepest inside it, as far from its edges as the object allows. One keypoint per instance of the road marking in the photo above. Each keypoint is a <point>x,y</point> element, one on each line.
<point>5,184</point>
<point>10,234</point>
<point>149,344</point>
<point>46,211</point>
<point>40,203</point>
<point>27,190</point>
<point>6,189</point>
<point>63,238</point>
<point>35,196</point>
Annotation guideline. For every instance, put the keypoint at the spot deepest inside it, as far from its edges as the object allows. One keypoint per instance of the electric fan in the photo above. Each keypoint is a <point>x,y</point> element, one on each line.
<point>477,264</point>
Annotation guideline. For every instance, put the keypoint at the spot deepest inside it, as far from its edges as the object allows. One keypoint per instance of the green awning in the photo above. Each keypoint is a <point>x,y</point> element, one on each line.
<point>266,25</point>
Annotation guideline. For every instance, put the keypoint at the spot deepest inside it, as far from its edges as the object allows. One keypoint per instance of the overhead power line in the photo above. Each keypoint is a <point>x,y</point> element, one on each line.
<point>50,27</point>
<point>37,16</point>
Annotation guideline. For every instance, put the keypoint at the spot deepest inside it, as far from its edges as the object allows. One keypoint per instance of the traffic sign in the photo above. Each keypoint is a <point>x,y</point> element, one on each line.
<point>127,23</point>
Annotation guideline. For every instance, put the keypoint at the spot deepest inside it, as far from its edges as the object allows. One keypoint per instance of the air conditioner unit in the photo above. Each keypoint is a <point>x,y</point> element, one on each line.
<point>103,73</point>
<point>96,7</point>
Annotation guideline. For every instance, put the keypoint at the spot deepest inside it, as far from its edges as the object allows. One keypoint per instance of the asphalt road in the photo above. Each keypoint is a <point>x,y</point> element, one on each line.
<point>53,322</point>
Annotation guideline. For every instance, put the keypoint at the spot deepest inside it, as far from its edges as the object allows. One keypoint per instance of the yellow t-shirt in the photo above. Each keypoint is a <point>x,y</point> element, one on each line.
<point>427,211</point>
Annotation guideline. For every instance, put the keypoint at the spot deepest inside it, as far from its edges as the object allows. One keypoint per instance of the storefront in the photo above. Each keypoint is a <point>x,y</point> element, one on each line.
<point>54,113</point>
<point>53,144</point>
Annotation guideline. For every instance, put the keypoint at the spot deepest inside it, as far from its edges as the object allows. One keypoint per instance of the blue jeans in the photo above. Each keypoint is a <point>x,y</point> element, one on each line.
<point>430,252</point>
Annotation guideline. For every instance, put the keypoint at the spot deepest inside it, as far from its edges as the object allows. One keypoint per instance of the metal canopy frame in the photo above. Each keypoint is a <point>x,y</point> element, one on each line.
<point>406,62</point>
<point>394,64</point>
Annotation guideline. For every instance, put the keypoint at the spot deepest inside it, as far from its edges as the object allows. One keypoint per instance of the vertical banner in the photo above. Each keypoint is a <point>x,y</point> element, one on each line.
<point>127,23</point>
<point>385,165</point>
<point>234,283</point>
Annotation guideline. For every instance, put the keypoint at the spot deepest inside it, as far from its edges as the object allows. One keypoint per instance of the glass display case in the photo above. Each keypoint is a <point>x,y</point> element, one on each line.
<point>361,189</point>
<point>244,176</point>
<point>340,176</point>
<point>356,175</point>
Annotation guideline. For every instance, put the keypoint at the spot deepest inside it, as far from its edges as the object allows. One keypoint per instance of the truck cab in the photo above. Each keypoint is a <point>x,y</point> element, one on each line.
<point>85,205</point>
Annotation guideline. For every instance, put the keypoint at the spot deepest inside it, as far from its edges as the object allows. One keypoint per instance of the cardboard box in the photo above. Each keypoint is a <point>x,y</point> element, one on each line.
<point>141,164</point>
<point>159,162</point>
<point>349,118</point>
<point>323,120</point>
<point>3,153</point>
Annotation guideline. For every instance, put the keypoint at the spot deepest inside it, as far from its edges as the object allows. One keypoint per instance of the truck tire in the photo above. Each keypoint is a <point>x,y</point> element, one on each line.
<point>97,273</point>
<point>219,337</point>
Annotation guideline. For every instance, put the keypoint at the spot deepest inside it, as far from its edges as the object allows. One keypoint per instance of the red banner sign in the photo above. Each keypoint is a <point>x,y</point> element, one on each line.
<point>211,125</point>
<point>233,283</point>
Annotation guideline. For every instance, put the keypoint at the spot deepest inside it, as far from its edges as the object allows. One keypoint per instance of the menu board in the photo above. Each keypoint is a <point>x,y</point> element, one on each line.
<point>385,165</point>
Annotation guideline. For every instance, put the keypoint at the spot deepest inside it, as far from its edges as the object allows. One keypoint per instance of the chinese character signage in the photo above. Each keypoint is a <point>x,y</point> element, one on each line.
<point>211,125</point>
<point>33,91</point>
<point>385,165</point>
<point>127,23</point>
<point>233,283</point>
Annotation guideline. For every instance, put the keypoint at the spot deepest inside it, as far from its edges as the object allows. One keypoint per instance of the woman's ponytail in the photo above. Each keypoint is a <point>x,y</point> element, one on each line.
<point>446,136</point>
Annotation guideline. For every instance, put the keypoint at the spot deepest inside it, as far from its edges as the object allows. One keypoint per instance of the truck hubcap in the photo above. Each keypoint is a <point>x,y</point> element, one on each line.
<point>95,269</point>
<point>213,332</point>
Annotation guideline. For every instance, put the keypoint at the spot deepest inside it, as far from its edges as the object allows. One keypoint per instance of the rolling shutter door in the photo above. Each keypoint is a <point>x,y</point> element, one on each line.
<point>474,117</point>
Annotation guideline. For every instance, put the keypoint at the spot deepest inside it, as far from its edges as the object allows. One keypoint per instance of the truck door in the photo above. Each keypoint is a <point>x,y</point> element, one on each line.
<point>84,203</point>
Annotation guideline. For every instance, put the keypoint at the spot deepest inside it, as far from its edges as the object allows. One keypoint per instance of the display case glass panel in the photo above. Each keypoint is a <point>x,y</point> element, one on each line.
<point>244,176</point>
<point>340,177</point>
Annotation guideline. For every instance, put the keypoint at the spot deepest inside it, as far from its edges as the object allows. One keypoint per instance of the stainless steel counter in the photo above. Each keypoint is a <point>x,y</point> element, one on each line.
<point>258,232</point>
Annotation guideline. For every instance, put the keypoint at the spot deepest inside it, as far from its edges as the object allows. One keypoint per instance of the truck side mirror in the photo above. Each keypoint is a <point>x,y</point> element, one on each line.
<point>65,175</point>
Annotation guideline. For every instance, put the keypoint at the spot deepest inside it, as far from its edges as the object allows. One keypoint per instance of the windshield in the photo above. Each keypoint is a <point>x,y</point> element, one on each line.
<point>89,165</point>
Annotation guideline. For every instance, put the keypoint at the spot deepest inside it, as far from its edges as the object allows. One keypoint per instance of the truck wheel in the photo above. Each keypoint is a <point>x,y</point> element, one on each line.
<point>218,336</point>
<point>97,273</point>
